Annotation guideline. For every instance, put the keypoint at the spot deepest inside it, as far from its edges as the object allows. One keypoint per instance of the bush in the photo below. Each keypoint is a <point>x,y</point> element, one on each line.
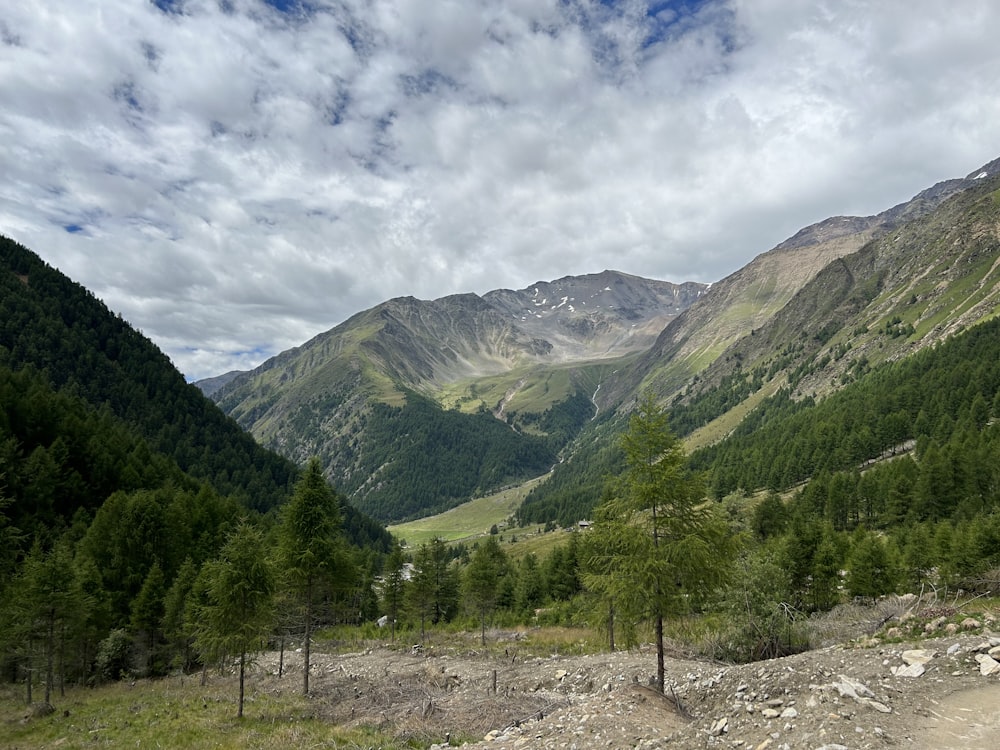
<point>761,624</point>
<point>114,656</point>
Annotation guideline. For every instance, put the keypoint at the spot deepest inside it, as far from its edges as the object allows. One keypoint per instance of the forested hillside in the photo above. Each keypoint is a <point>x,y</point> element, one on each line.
<point>918,283</point>
<point>532,358</point>
<point>421,457</point>
<point>936,405</point>
<point>59,329</point>
<point>931,410</point>
<point>120,485</point>
<point>52,323</point>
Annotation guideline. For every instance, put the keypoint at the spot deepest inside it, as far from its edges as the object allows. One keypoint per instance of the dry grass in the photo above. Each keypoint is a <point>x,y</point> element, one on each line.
<point>176,712</point>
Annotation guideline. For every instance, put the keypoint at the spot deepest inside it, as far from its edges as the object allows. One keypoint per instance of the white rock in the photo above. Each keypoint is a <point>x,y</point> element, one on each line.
<point>910,670</point>
<point>987,665</point>
<point>851,688</point>
<point>789,713</point>
<point>918,656</point>
<point>719,727</point>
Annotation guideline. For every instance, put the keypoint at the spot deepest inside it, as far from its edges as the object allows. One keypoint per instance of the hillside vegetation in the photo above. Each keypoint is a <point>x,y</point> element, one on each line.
<point>856,456</point>
<point>532,358</point>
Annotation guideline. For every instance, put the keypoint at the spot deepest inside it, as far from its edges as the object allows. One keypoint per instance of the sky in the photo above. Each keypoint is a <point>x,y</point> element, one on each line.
<point>236,176</point>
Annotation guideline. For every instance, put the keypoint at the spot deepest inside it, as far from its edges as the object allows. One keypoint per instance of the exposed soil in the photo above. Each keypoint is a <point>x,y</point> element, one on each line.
<point>853,696</point>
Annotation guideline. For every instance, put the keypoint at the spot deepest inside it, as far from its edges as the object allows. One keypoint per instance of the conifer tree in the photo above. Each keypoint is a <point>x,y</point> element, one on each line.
<point>308,548</point>
<point>662,539</point>
<point>483,580</point>
<point>175,604</point>
<point>47,601</point>
<point>393,587</point>
<point>433,590</point>
<point>147,614</point>
<point>240,592</point>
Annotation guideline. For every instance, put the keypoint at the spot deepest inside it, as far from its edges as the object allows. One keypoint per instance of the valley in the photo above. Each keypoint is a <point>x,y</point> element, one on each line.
<point>547,456</point>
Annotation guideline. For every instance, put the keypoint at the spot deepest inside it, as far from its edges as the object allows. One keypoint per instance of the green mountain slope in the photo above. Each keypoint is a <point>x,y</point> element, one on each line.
<point>749,299</point>
<point>57,326</point>
<point>942,395</point>
<point>531,358</point>
<point>932,271</point>
<point>75,344</point>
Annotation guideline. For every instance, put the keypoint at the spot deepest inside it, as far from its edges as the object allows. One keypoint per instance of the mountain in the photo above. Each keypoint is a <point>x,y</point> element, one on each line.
<point>530,358</point>
<point>208,386</point>
<point>748,299</point>
<point>915,284</point>
<point>812,315</point>
<point>557,361</point>
<point>69,346</point>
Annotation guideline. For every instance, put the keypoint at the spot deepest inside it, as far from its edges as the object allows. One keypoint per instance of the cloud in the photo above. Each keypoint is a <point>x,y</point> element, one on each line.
<point>237,176</point>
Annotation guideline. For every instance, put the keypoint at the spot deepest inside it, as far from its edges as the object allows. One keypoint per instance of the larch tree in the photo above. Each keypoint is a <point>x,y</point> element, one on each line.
<point>393,587</point>
<point>662,546</point>
<point>147,616</point>
<point>47,603</point>
<point>239,612</point>
<point>484,577</point>
<point>308,548</point>
<point>433,589</point>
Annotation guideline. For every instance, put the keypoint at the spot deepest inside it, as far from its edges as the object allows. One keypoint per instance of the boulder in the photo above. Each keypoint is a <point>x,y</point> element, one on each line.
<point>988,666</point>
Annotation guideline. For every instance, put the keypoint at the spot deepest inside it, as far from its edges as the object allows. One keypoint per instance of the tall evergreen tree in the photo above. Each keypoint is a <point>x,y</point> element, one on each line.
<point>147,615</point>
<point>667,545</point>
<point>308,548</point>
<point>240,592</point>
<point>175,604</point>
<point>871,571</point>
<point>47,602</point>
<point>393,587</point>
<point>434,586</point>
<point>484,580</point>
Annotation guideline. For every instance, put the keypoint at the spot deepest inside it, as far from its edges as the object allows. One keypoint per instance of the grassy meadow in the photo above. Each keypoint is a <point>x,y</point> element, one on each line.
<point>467,521</point>
<point>175,712</point>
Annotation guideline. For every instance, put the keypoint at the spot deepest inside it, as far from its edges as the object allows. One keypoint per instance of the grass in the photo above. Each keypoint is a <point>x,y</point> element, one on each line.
<point>467,521</point>
<point>533,540</point>
<point>721,426</point>
<point>472,520</point>
<point>175,712</point>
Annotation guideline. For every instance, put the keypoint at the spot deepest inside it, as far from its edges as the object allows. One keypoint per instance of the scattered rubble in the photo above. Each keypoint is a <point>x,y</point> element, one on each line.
<point>936,693</point>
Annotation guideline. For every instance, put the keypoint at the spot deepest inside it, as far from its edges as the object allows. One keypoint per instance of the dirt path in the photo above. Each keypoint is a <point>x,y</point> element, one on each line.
<point>968,719</point>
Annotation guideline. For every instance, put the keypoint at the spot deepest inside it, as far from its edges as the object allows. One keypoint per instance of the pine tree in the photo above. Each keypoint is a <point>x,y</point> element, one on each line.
<point>433,590</point>
<point>393,587</point>
<point>870,572</point>
<point>47,601</point>
<point>147,614</point>
<point>175,603</point>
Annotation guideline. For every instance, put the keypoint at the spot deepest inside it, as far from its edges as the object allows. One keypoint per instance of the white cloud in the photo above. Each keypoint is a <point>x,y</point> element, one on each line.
<point>237,179</point>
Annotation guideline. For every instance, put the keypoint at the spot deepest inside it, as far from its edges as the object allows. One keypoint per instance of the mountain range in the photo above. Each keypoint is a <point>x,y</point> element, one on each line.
<point>498,388</point>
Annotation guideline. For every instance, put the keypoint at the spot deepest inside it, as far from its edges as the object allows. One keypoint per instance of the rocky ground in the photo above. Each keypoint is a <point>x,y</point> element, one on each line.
<point>939,691</point>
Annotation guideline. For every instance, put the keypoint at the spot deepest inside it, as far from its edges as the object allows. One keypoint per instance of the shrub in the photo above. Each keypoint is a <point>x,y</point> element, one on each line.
<point>114,656</point>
